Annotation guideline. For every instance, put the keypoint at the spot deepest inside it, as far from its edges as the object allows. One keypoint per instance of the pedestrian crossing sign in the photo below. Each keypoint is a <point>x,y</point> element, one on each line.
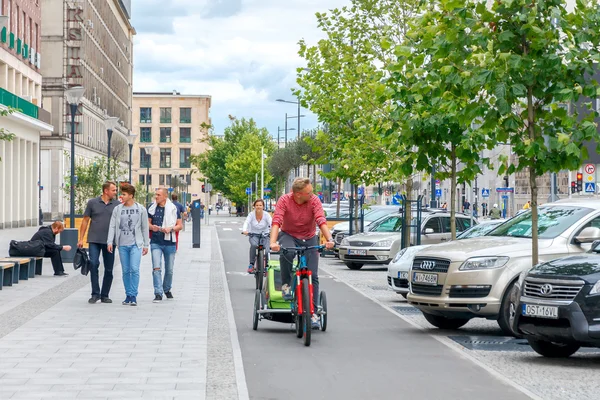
<point>590,187</point>
<point>485,192</point>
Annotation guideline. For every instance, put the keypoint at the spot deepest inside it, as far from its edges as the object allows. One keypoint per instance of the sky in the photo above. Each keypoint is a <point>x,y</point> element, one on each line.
<point>243,53</point>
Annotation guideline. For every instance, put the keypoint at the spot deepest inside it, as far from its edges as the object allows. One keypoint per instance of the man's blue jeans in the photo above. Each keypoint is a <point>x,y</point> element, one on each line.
<point>109,262</point>
<point>130,263</point>
<point>158,253</point>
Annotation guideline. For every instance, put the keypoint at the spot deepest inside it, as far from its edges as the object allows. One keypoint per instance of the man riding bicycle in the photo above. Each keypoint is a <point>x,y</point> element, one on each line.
<point>257,222</point>
<point>296,214</point>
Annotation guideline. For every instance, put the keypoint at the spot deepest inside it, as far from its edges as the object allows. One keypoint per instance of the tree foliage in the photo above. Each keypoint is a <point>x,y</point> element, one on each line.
<point>5,135</point>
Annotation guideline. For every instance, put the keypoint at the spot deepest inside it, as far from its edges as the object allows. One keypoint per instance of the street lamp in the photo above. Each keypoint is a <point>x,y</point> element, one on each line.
<point>130,142</point>
<point>293,102</point>
<point>148,150</point>
<point>74,96</point>
<point>110,123</point>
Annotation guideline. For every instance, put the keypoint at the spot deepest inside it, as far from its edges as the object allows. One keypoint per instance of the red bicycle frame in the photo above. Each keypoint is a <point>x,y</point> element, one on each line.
<point>299,277</point>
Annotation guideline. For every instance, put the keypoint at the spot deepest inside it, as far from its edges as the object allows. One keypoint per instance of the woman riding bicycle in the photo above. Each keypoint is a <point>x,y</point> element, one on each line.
<point>258,221</point>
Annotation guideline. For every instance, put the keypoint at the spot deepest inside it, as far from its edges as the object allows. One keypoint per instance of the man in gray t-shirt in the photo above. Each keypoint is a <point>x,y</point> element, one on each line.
<point>97,215</point>
<point>130,216</point>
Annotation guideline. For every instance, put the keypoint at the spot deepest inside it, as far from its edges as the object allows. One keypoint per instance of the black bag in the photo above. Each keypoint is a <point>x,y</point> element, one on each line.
<point>29,248</point>
<point>81,260</point>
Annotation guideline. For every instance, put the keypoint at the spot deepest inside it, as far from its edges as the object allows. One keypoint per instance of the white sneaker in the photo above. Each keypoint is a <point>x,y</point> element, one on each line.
<point>315,321</point>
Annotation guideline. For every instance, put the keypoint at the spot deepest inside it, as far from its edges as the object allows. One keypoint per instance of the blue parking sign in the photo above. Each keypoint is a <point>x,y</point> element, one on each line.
<point>248,190</point>
<point>438,193</point>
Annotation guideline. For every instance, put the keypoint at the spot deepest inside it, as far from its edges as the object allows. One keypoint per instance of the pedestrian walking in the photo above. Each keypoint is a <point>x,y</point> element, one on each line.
<point>97,215</point>
<point>47,234</point>
<point>484,210</point>
<point>164,221</point>
<point>129,230</point>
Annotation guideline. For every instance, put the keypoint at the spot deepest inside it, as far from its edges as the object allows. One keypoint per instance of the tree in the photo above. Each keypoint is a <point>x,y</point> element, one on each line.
<point>5,135</point>
<point>540,57</point>
<point>279,166</point>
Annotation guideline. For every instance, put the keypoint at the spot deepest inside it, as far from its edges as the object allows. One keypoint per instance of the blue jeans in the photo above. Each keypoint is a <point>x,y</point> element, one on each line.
<point>130,263</point>
<point>158,253</point>
<point>109,262</point>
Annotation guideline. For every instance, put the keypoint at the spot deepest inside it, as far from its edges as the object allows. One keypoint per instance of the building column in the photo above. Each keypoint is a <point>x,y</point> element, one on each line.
<point>3,188</point>
<point>18,84</point>
<point>22,173</point>
<point>35,152</point>
<point>3,76</point>
<point>8,160</point>
<point>11,80</point>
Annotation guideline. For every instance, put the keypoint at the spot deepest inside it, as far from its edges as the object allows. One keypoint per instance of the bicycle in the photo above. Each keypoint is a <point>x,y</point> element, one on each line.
<point>261,260</point>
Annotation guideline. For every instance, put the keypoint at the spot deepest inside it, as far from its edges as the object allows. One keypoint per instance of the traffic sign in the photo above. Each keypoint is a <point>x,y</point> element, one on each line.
<point>171,190</point>
<point>438,193</point>
<point>248,191</point>
<point>590,187</point>
<point>505,190</point>
<point>485,192</point>
<point>589,169</point>
<point>505,197</point>
<point>208,187</point>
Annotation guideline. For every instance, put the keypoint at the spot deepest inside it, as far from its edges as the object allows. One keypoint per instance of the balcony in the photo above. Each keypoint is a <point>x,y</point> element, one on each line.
<point>185,120</point>
<point>184,164</point>
<point>165,120</point>
<point>165,164</point>
<point>23,106</point>
<point>165,139</point>
<point>185,139</point>
<point>145,120</point>
<point>145,164</point>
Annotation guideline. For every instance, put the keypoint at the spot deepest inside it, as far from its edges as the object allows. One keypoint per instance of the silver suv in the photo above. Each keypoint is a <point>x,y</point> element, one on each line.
<point>383,241</point>
<point>454,282</point>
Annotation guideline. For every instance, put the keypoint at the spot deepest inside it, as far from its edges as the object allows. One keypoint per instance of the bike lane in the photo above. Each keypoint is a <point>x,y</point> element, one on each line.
<point>366,352</point>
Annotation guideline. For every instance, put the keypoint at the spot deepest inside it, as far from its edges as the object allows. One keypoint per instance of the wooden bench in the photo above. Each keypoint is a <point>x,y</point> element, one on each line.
<point>7,270</point>
<point>25,265</point>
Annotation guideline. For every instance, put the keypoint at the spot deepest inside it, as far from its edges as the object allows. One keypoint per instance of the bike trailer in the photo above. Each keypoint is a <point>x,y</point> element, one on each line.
<point>273,291</point>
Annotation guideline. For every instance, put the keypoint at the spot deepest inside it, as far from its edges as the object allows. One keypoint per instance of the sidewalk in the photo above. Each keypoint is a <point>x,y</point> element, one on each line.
<point>56,345</point>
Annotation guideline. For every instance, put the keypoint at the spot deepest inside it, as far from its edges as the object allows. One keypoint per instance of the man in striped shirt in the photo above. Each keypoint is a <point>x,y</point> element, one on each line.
<point>298,214</point>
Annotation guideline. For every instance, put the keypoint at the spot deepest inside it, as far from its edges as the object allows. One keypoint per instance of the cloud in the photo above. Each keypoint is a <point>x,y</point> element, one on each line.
<point>244,53</point>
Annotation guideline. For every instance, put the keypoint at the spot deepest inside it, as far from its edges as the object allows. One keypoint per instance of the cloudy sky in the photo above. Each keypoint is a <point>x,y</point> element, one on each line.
<point>244,53</point>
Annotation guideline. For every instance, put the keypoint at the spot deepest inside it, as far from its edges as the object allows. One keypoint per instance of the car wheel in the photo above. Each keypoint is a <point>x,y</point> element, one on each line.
<point>354,265</point>
<point>552,350</point>
<point>510,298</point>
<point>444,322</point>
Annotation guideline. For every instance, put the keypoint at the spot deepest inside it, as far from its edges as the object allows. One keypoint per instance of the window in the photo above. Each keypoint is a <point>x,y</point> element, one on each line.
<point>184,158</point>
<point>145,135</point>
<point>145,115</point>
<point>165,115</point>
<point>185,115</point>
<point>145,159</point>
<point>433,223</point>
<point>142,179</point>
<point>165,135</point>
<point>185,135</point>
<point>188,179</point>
<point>165,158</point>
<point>168,180</point>
<point>161,180</point>
<point>391,224</point>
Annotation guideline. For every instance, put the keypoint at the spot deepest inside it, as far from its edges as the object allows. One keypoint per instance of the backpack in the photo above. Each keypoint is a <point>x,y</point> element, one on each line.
<point>30,248</point>
<point>81,260</point>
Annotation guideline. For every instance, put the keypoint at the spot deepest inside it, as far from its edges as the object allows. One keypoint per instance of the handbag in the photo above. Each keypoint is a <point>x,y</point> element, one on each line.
<point>81,261</point>
<point>29,248</point>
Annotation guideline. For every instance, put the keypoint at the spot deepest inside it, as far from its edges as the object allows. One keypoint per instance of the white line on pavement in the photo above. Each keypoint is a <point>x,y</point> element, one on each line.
<point>227,229</point>
<point>444,340</point>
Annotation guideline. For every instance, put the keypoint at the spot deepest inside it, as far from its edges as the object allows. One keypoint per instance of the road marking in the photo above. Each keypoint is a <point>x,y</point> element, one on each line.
<point>444,340</point>
<point>239,273</point>
<point>227,229</point>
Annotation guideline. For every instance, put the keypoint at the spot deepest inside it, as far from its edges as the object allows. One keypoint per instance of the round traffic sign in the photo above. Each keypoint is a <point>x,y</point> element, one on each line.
<point>589,169</point>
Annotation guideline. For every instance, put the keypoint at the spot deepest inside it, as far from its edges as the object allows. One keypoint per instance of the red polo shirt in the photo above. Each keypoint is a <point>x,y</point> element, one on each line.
<point>298,220</point>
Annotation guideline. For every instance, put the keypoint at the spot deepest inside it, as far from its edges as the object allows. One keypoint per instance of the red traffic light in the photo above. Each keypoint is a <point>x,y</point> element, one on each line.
<point>579,176</point>
<point>573,184</point>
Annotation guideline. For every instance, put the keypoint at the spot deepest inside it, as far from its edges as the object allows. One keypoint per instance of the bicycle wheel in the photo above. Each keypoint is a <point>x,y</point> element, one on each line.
<point>256,308</point>
<point>306,320</point>
<point>323,316</point>
<point>259,272</point>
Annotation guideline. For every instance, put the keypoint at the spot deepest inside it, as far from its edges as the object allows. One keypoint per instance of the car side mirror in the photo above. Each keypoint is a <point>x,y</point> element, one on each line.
<point>588,235</point>
<point>427,231</point>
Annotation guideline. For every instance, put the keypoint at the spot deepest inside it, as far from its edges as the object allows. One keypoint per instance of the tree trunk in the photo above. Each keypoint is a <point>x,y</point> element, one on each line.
<point>315,177</point>
<point>407,211</point>
<point>339,184</point>
<point>453,195</point>
<point>532,182</point>
<point>356,205</point>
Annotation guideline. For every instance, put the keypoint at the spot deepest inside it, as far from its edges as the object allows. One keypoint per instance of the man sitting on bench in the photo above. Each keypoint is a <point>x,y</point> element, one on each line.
<point>47,234</point>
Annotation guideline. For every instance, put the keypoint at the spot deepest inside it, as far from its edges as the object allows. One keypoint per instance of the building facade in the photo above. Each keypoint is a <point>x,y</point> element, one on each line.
<point>88,43</point>
<point>171,125</point>
<point>21,93</point>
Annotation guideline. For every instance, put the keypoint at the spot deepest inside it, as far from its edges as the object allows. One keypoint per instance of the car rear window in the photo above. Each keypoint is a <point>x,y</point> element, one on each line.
<point>552,221</point>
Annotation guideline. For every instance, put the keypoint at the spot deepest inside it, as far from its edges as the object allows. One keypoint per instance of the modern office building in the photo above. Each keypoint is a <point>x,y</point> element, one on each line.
<point>86,43</point>
<point>23,120</point>
<point>170,127</point>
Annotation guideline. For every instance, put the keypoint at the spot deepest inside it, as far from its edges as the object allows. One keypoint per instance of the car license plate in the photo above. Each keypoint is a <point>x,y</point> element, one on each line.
<point>425,279</point>
<point>357,252</point>
<point>402,275</point>
<point>529,310</point>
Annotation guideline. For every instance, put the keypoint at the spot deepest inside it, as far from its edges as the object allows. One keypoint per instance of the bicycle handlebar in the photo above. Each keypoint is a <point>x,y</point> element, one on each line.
<point>302,249</point>
<point>264,234</point>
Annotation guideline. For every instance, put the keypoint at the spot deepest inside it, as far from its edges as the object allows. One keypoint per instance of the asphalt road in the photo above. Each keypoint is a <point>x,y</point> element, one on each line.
<point>366,352</point>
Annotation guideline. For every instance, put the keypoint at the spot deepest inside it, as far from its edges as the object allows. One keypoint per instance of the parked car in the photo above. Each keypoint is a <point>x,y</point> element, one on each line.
<point>341,230</point>
<point>454,282</point>
<point>382,242</point>
<point>557,302</point>
<point>397,273</point>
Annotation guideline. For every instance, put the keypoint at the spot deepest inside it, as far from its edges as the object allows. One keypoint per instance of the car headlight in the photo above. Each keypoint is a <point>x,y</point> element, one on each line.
<point>399,255</point>
<point>345,242</point>
<point>483,263</point>
<point>595,288</point>
<point>382,243</point>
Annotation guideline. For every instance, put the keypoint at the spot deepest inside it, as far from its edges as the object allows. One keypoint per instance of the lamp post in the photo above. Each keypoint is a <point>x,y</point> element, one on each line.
<point>293,102</point>
<point>74,96</point>
<point>110,123</point>
<point>148,151</point>
<point>130,142</point>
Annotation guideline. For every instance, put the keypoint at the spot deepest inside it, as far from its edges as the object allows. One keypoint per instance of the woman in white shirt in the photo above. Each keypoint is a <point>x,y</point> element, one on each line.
<point>258,221</point>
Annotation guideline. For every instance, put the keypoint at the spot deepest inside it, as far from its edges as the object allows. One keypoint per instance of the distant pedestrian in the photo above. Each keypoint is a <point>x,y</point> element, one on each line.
<point>527,205</point>
<point>466,205</point>
<point>484,210</point>
<point>164,220</point>
<point>129,230</point>
<point>444,206</point>
<point>47,234</point>
<point>99,211</point>
<point>495,212</point>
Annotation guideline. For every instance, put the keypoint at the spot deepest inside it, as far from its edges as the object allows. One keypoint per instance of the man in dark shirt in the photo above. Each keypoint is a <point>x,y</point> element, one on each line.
<point>182,213</point>
<point>99,211</point>
<point>164,220</point>
<point>47,234</point>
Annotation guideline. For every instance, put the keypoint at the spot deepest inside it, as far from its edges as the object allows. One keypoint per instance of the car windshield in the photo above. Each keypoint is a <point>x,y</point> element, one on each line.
<point>372,215</point>
<point>478,230</point>
<point>552,221</point>
<point>390,224</point>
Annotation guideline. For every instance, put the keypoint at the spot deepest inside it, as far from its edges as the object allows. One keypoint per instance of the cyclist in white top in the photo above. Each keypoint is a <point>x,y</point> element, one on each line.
<point>258,221</point>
